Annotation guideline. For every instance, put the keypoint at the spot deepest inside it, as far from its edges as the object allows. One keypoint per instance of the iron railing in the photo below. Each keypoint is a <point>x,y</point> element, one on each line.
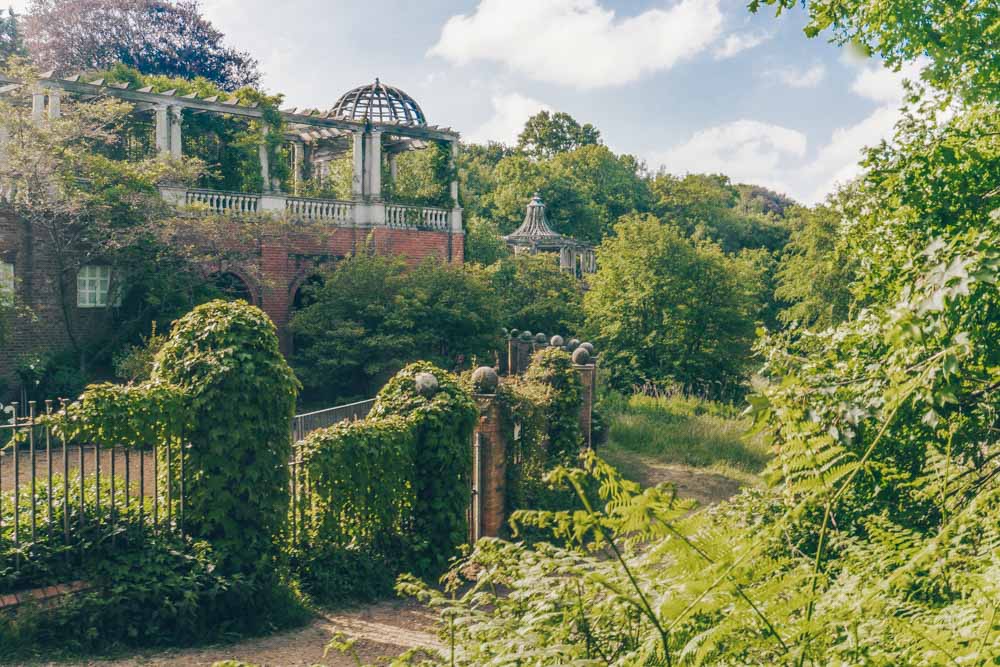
<point>304,424</point>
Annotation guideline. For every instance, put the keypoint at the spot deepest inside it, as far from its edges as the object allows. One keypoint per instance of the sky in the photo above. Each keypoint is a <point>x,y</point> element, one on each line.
<point>687,85</point>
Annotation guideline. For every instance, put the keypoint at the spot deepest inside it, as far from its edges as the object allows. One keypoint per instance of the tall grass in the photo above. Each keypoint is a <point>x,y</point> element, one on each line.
<point>686,431</point>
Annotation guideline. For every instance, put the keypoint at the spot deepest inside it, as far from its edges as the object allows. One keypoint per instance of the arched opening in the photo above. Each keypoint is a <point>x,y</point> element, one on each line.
<point>307,293</point>
<point>232,287</point>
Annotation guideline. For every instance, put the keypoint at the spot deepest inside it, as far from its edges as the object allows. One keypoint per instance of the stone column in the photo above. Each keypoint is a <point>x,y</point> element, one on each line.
<point>162,130</point>
<point>298,158</point>
<point>358,180</point>
<point>375,165</point>
<point>489,436</point>
<point>393,167</point>
<point>588,378</point>
<point>37,105</point>
<point>265,161</point>
<point>55,104</point>
<point>454,177</point>
<point>176,133</point>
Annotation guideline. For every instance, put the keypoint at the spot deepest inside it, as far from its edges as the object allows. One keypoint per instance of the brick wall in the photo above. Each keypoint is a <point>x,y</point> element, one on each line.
<point>272,269</point>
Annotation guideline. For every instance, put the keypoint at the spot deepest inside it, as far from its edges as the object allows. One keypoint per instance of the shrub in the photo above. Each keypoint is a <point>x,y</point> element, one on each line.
<point>354,538</point>
<point>240,399</point>
<point>443,420</point>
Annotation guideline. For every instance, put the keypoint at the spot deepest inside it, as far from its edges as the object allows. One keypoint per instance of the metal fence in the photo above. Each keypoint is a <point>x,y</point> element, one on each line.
<point>52,492</point>
<point>303,425</point>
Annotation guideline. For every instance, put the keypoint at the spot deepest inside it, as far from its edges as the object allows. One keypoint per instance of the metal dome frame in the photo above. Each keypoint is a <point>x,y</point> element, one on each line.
<point>379,103</point>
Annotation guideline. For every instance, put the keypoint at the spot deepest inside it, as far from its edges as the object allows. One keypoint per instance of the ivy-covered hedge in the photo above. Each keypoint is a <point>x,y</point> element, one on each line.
<point>240,397</point>
<point>443,415</point>
<point>354,527</point>
<point>544,408</point>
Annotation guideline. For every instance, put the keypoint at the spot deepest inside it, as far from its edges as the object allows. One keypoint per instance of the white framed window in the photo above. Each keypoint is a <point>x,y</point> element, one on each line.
<point>6,283</point>
<point>93,283</point>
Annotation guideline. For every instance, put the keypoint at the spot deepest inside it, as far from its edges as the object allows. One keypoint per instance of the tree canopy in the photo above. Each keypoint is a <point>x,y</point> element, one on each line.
<point>548,134</point>
<point>164,37</point>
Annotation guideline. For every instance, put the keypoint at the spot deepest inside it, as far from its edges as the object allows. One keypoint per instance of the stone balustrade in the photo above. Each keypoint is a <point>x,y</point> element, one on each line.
<point>330,211</point>
<point>423,217</point>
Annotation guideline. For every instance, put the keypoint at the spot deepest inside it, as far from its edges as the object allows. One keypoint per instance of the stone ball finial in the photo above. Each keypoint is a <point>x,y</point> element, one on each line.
<point>527,336</point>
<point>514,333</point>
<point>573,344</point>
<point>581,357</point>
<point>541,338</point>
<point>427,384</point>
<point>557,341</point>
<point>485,380</point>
<point>589,347</point>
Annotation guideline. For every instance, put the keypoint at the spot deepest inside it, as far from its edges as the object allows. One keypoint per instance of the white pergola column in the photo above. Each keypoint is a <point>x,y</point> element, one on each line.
<point>298,159</point>
<point>374,164</point>
<point>393,167</point>
<point>358,180</point>
<point>176,118</point>
<point>265,160</point>
<point>162,130</point>
<point>37,105</point>
<point>55,105</point>
<point>454,169</point>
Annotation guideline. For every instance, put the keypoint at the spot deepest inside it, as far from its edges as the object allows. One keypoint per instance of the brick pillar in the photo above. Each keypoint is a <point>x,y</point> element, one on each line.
<point>492,479</point>
<point>588,377</point>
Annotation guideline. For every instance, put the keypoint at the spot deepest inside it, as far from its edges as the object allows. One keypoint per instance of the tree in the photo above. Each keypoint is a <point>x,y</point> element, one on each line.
<point>535,295</point>
<point>372,315</point>
<point>11,40</point>
<point>166,37</point>
<point>709,206</point>
<point>959,40</point>
<point>548,134</point>
<point>666,309</point>
<point>483,242</point>
<point>815,273</point>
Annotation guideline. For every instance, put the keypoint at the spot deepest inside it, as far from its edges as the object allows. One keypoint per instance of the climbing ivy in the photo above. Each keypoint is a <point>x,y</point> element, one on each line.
<point>353,531</point>
<point>240,398</point>
<point>443,420</point>
<point>553,368</point>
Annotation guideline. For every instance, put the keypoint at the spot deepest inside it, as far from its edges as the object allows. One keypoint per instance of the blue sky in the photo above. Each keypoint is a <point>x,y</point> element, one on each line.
<point>692,85</point>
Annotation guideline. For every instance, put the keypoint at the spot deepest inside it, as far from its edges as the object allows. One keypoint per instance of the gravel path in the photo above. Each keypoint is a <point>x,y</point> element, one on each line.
<point>383,630</point>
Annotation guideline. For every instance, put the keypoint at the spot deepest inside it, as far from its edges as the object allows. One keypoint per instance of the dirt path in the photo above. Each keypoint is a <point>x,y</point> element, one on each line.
<point>708,488</point>
<point>383,630</point>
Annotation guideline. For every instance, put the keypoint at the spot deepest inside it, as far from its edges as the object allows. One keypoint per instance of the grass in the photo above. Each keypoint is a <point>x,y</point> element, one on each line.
<point>681,431</point>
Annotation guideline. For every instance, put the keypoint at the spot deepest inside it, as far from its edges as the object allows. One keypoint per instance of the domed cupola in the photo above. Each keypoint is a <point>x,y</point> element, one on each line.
<point>379,103</point>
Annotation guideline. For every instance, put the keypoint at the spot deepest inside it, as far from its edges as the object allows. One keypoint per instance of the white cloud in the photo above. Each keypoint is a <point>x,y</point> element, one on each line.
<point>745,150</point>
<point>510,112</point>
<point>776,156</point>
<point>739,42</point>
<point>882,84</point>
<point>799,78</point>
<point>579,42</point>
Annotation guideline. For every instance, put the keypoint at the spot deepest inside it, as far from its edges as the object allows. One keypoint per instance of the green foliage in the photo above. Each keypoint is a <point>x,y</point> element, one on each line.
<point>815,273</point>
<point>11,39</point>
<point>443,424</point>
<point>553,368</point>
<point>547,134</point>
<point>535,295</point>
<point>423,177</point>
<point>710,207</point>
<point>354,535</point>
<point>665,309</point>
<point>134,363</point>
<point>240,398</point>
<point>684,430</point>
<point>373,314</point>
<point>543,409</point>
<point>483,242</point>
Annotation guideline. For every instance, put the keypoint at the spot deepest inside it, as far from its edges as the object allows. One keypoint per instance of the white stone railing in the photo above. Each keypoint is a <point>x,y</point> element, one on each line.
<point>331,210</point>
<point>6,191</point>
<point>231,203</point>
<point>421,217</point>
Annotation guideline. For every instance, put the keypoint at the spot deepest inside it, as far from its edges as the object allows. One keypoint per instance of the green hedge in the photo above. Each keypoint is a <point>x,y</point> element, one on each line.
<point>354,526</point>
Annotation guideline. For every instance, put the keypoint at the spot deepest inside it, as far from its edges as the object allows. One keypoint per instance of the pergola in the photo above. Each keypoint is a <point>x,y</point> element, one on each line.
<point>534,236</point>
<point>375,122</point>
